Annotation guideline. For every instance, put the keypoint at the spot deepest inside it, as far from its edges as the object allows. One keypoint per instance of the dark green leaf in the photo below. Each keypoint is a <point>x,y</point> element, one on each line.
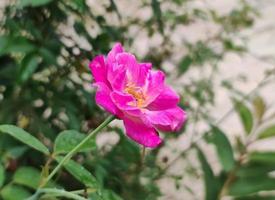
<point>210,182</point>
<point>185,63</point>
<point>223,148</point>
<point>67,140</point>
<point>80,173</point>
<point>255,169</point>
<point>245,116</point>
<point>158,14</point>
<point>268,132</point>
<point>24,137</point>
<point>10,44</point>
<point>13,192</point>
<point>28,67</point>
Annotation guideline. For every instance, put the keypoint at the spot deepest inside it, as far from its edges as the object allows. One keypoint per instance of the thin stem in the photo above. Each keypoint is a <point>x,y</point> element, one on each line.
<point>60,193</point>
<point>76,148</point>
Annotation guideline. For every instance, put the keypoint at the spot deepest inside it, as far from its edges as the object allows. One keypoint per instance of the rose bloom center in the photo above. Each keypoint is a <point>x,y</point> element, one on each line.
<point>137,93</point>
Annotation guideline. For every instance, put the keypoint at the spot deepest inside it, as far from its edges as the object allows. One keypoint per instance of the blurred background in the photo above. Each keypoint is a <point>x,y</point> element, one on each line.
<point>219,55</point>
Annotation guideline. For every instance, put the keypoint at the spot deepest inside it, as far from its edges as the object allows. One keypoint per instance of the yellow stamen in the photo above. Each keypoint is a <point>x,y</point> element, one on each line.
<point>137,93</point>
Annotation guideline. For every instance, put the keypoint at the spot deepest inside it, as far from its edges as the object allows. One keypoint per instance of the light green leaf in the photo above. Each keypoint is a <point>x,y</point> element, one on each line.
<point>2,175</point>
<point>14,192</point>
<point>33,3</point>
<point>28,67</point>
<point>67,140</point>
<point>251,185</point>
<point>259,107</point>
<point>268,132</point>
<point>29,176</point>
<point>223,148</point>
<point>24,137</point>
<point>210,182</point>
<point>80,173</point>
<point>245,116</point>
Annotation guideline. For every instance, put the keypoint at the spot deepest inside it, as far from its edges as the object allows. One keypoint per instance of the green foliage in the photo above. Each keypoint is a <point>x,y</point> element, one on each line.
<point>2,175</point>
<point>268,132</point>
<point>24,137</point>
<point>210,181</point>
<point>80,173</point>
<point>45,89</point>
<point>14,192</point>
<point>223,148</point>
<point>245,116</point>
<point>67,140</point>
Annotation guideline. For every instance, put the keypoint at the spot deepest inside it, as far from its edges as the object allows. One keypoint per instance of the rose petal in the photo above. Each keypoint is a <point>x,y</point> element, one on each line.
<point>141,133</point>
<point>154,85</point>
<point>103,98</point>
<point>126,103</point>
<point>111,57</point>
<point>99,69</point>
<point>168,98</point>
<point>167,120</point>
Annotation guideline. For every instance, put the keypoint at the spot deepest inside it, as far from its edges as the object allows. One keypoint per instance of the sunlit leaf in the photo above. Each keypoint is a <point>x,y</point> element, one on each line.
<point>24,137</point>
<point>245,116</point>
<point>259,106</point>
<point>268,132</point>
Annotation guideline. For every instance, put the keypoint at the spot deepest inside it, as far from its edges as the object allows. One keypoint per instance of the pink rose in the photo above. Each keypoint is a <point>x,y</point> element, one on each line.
<point>136,94</point>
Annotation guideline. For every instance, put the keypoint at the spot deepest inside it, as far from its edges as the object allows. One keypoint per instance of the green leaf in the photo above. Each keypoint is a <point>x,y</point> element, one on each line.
<point>28,66</point>
<point>210,182</point>
<point>223,148</point>
<point>10,44</point>
<point>245,116</point>
<point>185,63</point>
<point>255,169</point>
<point>256,197</point>
<point>158,14</point>
<point>68,139</point>
<point>262,157</point>
<point>14,192</point>
<point>80,173</point>
<point>24,137</point>
<point>2,175</point>
<point>259,107</point>
<point>251,185</point>
<point>29,176</point>
<point>33,3</point>
<point>268,132</point>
